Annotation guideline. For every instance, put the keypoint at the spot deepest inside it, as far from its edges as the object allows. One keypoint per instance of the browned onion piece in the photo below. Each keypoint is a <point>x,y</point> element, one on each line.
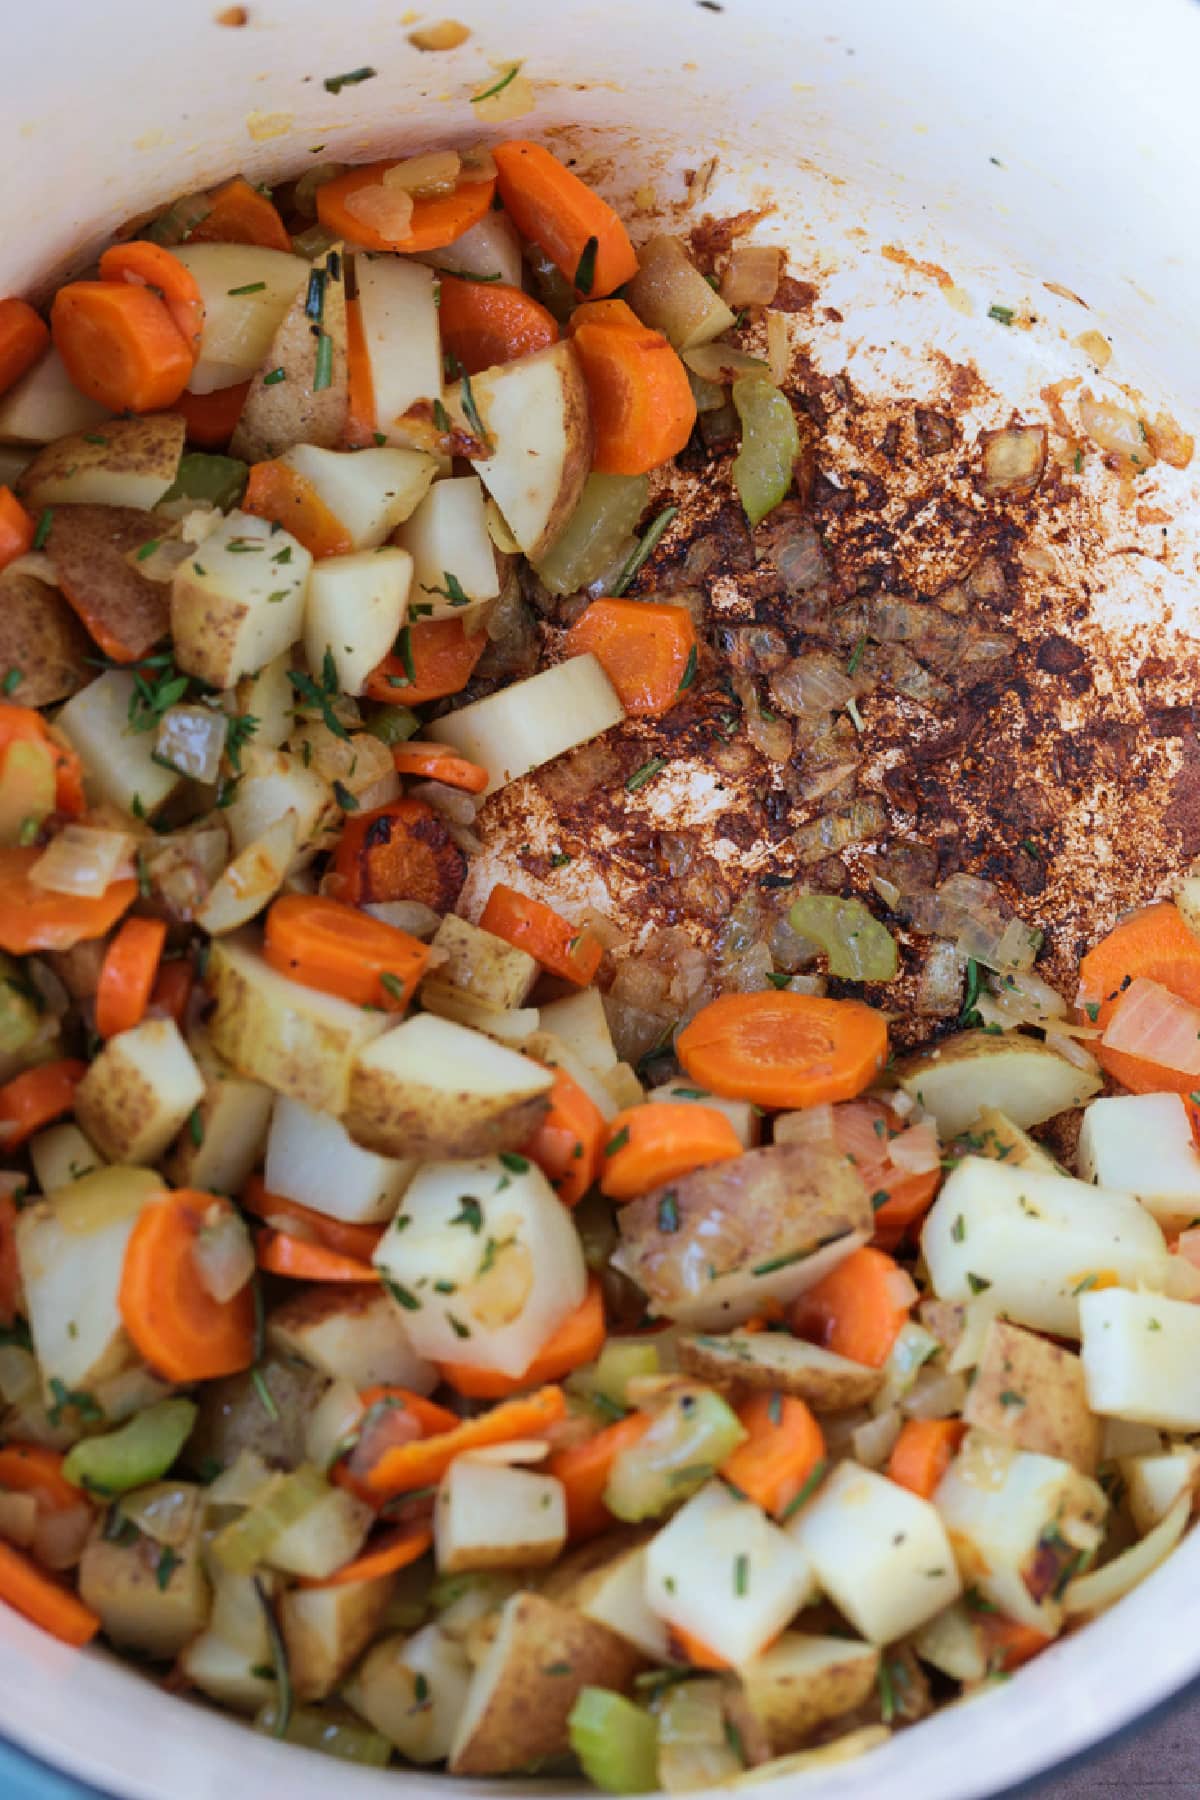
<point>751,275</point>
<point>1116,430</point>
<point>858,823</point>
<point>1013,460</point>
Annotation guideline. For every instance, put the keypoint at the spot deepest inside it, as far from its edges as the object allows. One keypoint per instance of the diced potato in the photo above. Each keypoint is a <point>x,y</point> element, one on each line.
<point>1033,1242</point>
<point>539,430</point>
<point>138,1092</point>
<point>1016,1074</point>
<point>328,1536</point>
<point>120,762</point>
<point>413,1691</point>
<point>432,1088</point>
<point>61,1155</point>
<point>670,294</point>
<point>131,463</point>
<point>521,1694</point>
<point>355,1335</point>
<point>150,1597</point>
<point>605,1580</point>
<point>782,1364</point>
<point>623,1087</point>
<point>953,1643</point>
<point>227,1660</point>
<point>482,964</point>
<point>1017,1521</point>
<point>1141,1358</point>
<point>273,783</point>
<point>764,1226</point>
<point>580,1023</point>
<point>370,492</point>
<point>311,1159</point>
<point>800,1683</point>
<point>1031,1393</point>
<point>45,404</point>
<point>516,1028</point>
<point>71,1250</point>
<point>292,1038</point>
<point>880,1553</point>
<point>246,289</point>
<point>556,1055</point>
<point>490,248</point>
<point>1155,1484</point>
<point>232,1418</point>
<point>41,636</point>
<point>356,606</point>
<point>223,1148</point>
<point>517,729</point>
<point>744,1118</point>
<point>293,410</point>
<point>398,307</point>
<point>325,1630</point>
<point>493,1516</point>
<point>722,1571</point>
<point>994,1135</point>
<point>238,600</point>
<point>497,1234</point>
<point>1142,1144</point>
<point>448,535</point>
<point>269,698</point>
<point>253,878</point>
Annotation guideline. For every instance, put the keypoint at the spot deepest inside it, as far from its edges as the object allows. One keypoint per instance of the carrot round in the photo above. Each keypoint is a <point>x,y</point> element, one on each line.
<point>151,266</point>
<point>649,1145</point>
<point>24,338</point>
<point>127,975</point>
<point>785,1444</point>
<point>277,492</point>
<point>642,406</point>
<point>782,1049</point>
<point>584,1470</point>
<point>172,990</point>
<point>648,651</point>
<point>358,1242</point>
<point>436,220</point>
<point>22,724</point>
<point>211,419</point>
<point>384,1556</point>
<point>32,1469</point>
<point>32,918</point>
<point>425,1462</point>
<point>434,762</point>
<point>566,1145</point>
<point>440,661</point>
<point>562,215</point>
<point>402,851</point>
<point>10,1263</point>
<point>485,323</point>
<point>862,1131</point>
<point>923,1452</point>
<point>36,1098</point>
<point>16,528</point>
<point>572,951</point>
<point>336,948</point>
<point>239,214</point>
<point>176,1325</point>
<point>578,1340</point>
<point>361,419</point>
<point>853,1311</point>
<point>120,345</point>
<point>279,1253</point>
<point>1154,943</point>
<point>43,1600</point>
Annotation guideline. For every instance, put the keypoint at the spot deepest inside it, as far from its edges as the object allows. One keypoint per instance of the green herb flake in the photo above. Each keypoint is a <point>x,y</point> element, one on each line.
<point>314,298</point>
<point>251,287</point>
<point>453,591</point>
<point>1082,1287</point>
<point>668,1213</point>
<point>165,1567</point>
<point>856,656</point>
<point>616,1143</point>
<point>498,87</point>
<point>470,1213</point>
<point>879,1199</point>
<point>1010,1397</point>
<point>323,371</point>
<point>472,411</point>
<point>402,1295</point>
<point>12,682</point>
<point>266,1398</point>
<point>441,417</point>
<point>274,377</point>
<point>392,984</point>
<point>646,773</point>
<point>334,84</point>
<point>775,1409</point>
<point>320,698</point>
<point>43,528</point>
<point>345,799</point>
<point>651,538</point>
<point>976,1283</point>
<point>1003,315</point>
<point>66,1399</point>
<point>195,1127</point>
<point>779,1262</point>
<point>689,672</point>
<point>457,1327</point>
<point>585,271</point>
<point>958,1230</point>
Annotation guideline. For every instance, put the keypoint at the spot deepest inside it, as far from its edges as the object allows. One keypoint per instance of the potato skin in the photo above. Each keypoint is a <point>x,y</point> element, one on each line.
<point>404,1119</point>
<point>1032,1393</point>
<point>802,1682</point>
<point>232,1417</point>
<point>718,1361</point>
<point>148,447</point>
<point>577,424</point>
<point>289,412</point>
<point>125,613</point>
<point>40,636</point>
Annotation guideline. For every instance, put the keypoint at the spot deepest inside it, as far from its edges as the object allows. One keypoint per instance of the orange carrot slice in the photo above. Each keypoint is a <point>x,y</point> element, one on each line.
<point>649,1145</point>
<point>783,1049</point>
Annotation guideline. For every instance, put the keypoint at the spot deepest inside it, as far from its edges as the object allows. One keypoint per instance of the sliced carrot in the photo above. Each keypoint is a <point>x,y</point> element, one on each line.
<point>22,724</point>
<point>485,323</point>
<point>784,1446</point>
<point>361,419</point>
<point>923,1452</point>
<point>239,214</point>
<point>424,1463</point>
<point>578,1340</point>
<point>783,1049</point>
<point>32,1469</point>
<point>383,1556</point>
<point>435,762</point>
<point>648,651</point>
<point>17,528</point>
<point>127,975</point>
<point>380,1429</point>
<point>437,659</point>
<point>151,266</point>
<point>572,951</point>
<point>436,219</point>
<point>24,338</point>
<point>36,1098</point>
<point>402,851</point>
<point>120,345</point>
<point>852,1311</point>
<point>1009,1643</point>
<point>695,1651</point>
<point>431,1417</point>
<point>566,1145</point>
<point>1156,944</point>
<point>647,1146</point>
<point>10,1263</point>
<point>862,1131</point>
<point>358,1242</point>
<point>43,1600</point>
<point>211,419</point>
<point>551,206</point>
<point>176,1325</point>
<point>333,947</point>
<point>584,1470</point>
<point>279,1253</point>
<point>33,918</point>
<point>277,492</point>
<point>641,401</point>
<point>172,990</point>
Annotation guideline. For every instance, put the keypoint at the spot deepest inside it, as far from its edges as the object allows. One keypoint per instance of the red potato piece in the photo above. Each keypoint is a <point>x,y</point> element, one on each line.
<point>42,639</point>
<point>123,612</point>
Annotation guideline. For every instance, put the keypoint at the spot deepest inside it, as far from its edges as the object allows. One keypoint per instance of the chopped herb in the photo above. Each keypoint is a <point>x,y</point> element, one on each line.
<point>1092,1009</point>
<point>616,1143</point>
<point>879,1198</point>
<point>779,1262</point>
<point>558,1668</point>
<point>651,538</point>
<point>958,1230</point>
<point>441,417</point>
<point>453,591</point>
<point>402,1296</point>
<point>1003,315</point>
<point>1154,1325</point>
<point>344,797</point>
<point>251,287</point>
<point>775,1409</point>
<point>274,377</point>
<point>147,550</point>
<point>457,1327</point>
<point>165,1567</point>
<point>284,555</point>
<point>1089,1281</point>
<point>1010,1397</point>
<point>43,528</point>
<point>154,693</point>
<point>12,682</point>
<point>559,860</point>
<point>690,1472</point>
<point>279,1663</point>
<point>887,1692</point>
<point>585,270</point>
<point>320,698</point>
<point>516,1165</point>
<point>403,650</point>
<point>335,83</point>
<point>689,672</point>
<point>470,1213</point>
<point>969,1015</point>
<point>195,1126</point>
<point>646,773</point>
<point>28,831</point>
<point>733,1738</point>
<point>392,984</point>
<point>265,1396</point>
<point>314,299</point>
<point>472,411</point>
<point>498,87</point>
<point>976,1283</point>
<point>688,1093</point>
<point>856,656</point>
<point>238,732</point>
<point>94,437</point>
<point>143,875</point>
<point>668,1213</point>
<point>323,372</point>
<point>76,1399</point>
<point>445,1287</point>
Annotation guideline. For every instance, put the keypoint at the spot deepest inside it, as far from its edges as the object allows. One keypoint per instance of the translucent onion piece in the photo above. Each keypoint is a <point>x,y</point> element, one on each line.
<point>18,1370</point>
<point>380,793</point>
<point>669,293</point>
<point>412,916</point>
<point>223,1253</point>
<point>35,563</point>
<point>779,346</point>
<point>873,1442</point>
<point>385,210</point>
<point>708,395</point>
<point>815,684</point>
<point>162,561</point>
<point>164,1511</point>
<point>916,1151</point>
<point>192,740</point>
<point>1071,1050</point>
<point>940,988</point>
<point>1102,1588</point>
<point>1013,460</point>
<point>693,1748</point>
<point>857,946</point>
<point>284,1500</point>
<point>82,860</point>
<point>857,824</point>
<point>723,363</point>
<point>451,802</point>
<point>1116,430</point>
<point>478,163</point>
<point>435,172</point>
<point>751,275</point>
<point>608,510</point>
<point>936,1394</point>
<point>1151,1022</point>
<point>814,1125</point>
<point>18,1518</point>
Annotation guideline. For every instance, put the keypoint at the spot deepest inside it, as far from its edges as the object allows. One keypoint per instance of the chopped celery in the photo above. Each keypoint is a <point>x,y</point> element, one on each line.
<point>204,480</point>
<point>333,1735</point>
<point>620,1361</point>
<point>616,1742</point>
<point>138,1453</point>
<point>708,395</point>
<point>762,468</point>
<point>313,241</point>
<point>859,948</point>
<point>685,1446</point>
<point>242,1545</point>
<point>392,725</point>
<point>19,1009</point>
<point>609,508</point>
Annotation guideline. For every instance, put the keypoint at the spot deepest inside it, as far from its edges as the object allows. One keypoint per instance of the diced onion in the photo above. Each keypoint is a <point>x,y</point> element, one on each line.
<point>304,194</point>
<point>873,1442</point>
<point>1064,1044</point>
<point>751,276</point>
<point>1013,459</point>
<point>223,1253</point>
<point>451,802</point>
<point>722,362</point>
<point>164,1511</point>
<point>478,163</point>
<point>35,563</point>
<point>380,793</point>
<point>1102,1588</point>
<point>413,916</point>
<point>1116,430</point>
<point>160,563</point>
<point>435,172</point>
<point>779,346</point>
<point>917,1151</point>
<point>1151,1022</point>
<point>18,1370</point>
<point>192,740</point>
<point>815,1125</point>
<point>82,860</point>
<point>387,210</point>
<point>815,684</point>
<point>936,1394</point>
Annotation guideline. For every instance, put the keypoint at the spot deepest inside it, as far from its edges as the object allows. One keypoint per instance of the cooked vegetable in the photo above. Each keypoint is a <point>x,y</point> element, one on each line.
<point>454,563</point>
<point>696,1749</point>
<point>24,1586</point>
<point>138,1092</point>
<point>922,1453</point>
<point>1026,1080</point>
<point>492,1516</point>
<point>311,1159</point>
<point>784,1049</point>
<point>639,396</point>
<point>578,1340</point>
<point>413,1691</point>
<point>434,658</point>
<point>166,1307</point>
<point>45,404</point>
<point>762,469</point>
<point>1135,1349</point>
<point>689,1437</point>
<point>23,340</point>
<point>224,1137</point>
<point>782,1455</point>
<point>326,1629</point>
<point>653,1144</point>
<point>535,447</point>
<point>41,637</point>
<point>671,294</point>
<point>782,1364</point>
<point>127,975</point>
<point>800,1683</point>
<point>615,1742</point>
<point>238,601</point>
<point>308,405</point>
<point>36,1098</point>
<point>536,928</point>
<point>560,213</point>
<point>120,345</point>
<point>417,1465</point>
<point>1033,1394</point>
<point>132,463</point>
<point>858,1309</point>
<point>247,289</point>
<point>363,206</point>
<point>135,1455</point>
<point>150,1596</point>
<point>645,650</point>
<point>90,547</point>
<point>1111,1153</point>
<point>858,947</point>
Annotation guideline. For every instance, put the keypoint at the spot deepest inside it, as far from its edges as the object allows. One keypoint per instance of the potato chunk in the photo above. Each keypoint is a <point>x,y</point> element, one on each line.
<point>280,413</point>
<point>225,1144</point>
<point>782,1364</point>
<point>150,1597</point>
<point>483,965</point>
<point>1142,1144</point>
<point>41,637</point>
<point>139,1092</point>
<point>356,606</point>
<point>802,1682</point>
<point>132,462</point>
<point>412,1690</point>
<point>311,1159</point>
<point>973,1069</point>
<point>535,412</point>
<point>120,762</point>
<point>352,1333</point>
<point>492,1515</point>
<point>1032,1393</point>
<point>238,600</point>
<point>1141,1358</point>
<point>325,1631</point>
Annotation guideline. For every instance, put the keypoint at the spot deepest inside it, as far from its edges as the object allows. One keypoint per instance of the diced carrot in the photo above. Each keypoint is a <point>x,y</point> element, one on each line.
<point>33,918</point>
<point>784,1446</point>
<point>424,1463</point>
<point>584,1470</point>
<point>383,1556</point>
<point>33,1469</point>
<point>1157,945</point>
<point>862,1131</point>
<point>485,323</point>
<point>435,658</point>
<point>147,265</point>
<point>381,1428</point>
<point>567,219</point>
<point>572,951</point>
<point>695,1651</point>
<point>26,1588</point>
<point>17,528</point>
<point>566,1145</point>
<point>578,1340</point>
<point>211,419</point>
<point>36,1098</point>
<point>24,338</point>
<point>279,1253</point>
<point>10,1264</point>
<point>23,725</point>
<point>361,422</point>
<point>436,762</point>
<point>176,1325</point>
<point>358,1242</point>
<point>923,1452</point>
<point>648,1145</point>
<point>239,214</point>
<point>782,1049</point>
<point>852,1310</point>
<point>437,219</point>
<point>120,345</point>
<point>1009,1643</point>
<point>648,651</point>
<point>431,1417</point>
<point>277,492</point>
<point>642,406</point>
<point>172,990</point>
<point>339,950</point>
<point>127,975</point>
<point>402,851</point>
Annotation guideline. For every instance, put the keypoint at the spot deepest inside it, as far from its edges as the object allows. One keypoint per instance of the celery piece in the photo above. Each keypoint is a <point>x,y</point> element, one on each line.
<point>242,1545</point>
<point>620,1361</point>
<point>204,480</point>
<point>332,1735</point>
<point>138,1453</point>
<point>19,1010</point>
<point>685,1446</point>
<point>609,508</point>
<point>615,1741</point>
<point>762,468</point>
<point>859,948</point>
<point>392,725</point>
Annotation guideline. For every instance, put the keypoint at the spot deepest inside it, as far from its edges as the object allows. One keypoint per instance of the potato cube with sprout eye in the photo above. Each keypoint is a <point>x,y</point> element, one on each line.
<point>138,1093</point>
<point>489,1515</point>
<point>1141,1358</point>
<point>1142,1144</point>
<point>238,600</point>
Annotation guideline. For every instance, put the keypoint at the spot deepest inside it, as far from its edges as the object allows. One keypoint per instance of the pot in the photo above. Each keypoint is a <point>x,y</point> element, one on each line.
<point>925,166</point>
